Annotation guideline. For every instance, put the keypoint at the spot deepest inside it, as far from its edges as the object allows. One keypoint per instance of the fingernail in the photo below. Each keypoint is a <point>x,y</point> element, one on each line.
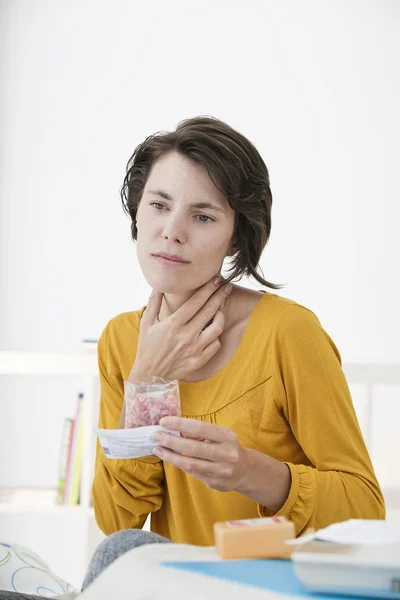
<point>156,437</point>
<point>228,288</point>
<point>157,451</point>
<point>216,280</point>
<point>165,422</point>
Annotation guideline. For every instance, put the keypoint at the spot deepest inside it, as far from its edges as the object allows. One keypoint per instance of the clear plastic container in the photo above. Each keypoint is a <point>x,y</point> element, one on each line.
<point>147,403</point>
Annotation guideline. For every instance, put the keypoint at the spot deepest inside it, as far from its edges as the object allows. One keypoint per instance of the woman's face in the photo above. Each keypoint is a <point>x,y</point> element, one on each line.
<point>182,213</point>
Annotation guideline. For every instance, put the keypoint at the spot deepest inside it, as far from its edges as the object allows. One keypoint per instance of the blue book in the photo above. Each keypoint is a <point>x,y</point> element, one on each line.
<point>271,575</point>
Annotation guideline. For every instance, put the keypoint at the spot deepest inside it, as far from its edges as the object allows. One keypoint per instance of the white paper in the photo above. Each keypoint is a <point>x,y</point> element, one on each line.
<point>355,531</point>
<point>130,443</point>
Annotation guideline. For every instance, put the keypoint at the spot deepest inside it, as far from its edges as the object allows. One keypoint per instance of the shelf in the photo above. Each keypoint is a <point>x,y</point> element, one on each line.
<point>38,501</point>
<point>58,510</point>
<point>37,363</point>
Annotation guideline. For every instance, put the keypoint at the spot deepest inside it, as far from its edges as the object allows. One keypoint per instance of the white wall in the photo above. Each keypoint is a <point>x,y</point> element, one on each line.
<point>314,84</point>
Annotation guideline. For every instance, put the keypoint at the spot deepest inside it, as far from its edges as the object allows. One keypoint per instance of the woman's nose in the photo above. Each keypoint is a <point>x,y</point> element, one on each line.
<point>175,229</point>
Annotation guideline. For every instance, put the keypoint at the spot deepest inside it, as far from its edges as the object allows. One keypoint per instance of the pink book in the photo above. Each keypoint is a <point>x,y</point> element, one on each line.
<point>72,445</point>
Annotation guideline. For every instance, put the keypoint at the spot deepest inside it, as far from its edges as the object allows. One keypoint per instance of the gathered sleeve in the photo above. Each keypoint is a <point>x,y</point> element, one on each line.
<point>125,491</point>
<point>311,391</point>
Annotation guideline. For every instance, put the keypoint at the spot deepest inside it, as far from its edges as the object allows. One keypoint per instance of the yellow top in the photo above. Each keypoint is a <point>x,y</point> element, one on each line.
<point>283,393</point>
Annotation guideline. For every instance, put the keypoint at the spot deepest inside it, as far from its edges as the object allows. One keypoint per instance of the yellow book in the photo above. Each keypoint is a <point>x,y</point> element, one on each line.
<point>63,459</point>
<point>77,463</point>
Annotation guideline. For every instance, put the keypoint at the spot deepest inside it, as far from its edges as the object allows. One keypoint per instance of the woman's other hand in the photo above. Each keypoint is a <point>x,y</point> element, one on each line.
<point>208,452</point>
<point>213,455</point>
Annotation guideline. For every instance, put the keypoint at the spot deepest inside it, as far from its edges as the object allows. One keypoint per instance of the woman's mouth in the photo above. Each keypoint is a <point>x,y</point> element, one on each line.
<point>170,260</point>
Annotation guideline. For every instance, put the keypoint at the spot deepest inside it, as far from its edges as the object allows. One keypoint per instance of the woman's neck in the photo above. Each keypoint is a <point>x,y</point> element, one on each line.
<point>172,302</point>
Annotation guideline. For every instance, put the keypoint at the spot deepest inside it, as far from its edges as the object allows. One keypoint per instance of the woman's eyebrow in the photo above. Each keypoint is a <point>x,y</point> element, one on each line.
<point>195,204</point>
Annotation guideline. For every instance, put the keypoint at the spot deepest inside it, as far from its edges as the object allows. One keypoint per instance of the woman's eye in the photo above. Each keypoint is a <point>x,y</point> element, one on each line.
<point>201,218</point>
<point>205,219</point>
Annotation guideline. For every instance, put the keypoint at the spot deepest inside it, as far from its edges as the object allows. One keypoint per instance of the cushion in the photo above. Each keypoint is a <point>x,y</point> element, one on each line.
<point>21,570</point>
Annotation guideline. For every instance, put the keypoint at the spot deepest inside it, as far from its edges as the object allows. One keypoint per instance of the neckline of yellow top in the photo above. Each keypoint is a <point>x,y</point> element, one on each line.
<point>247,336</point>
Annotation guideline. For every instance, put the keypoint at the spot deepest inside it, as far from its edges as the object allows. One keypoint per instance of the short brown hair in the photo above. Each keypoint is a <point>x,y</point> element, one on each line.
<point>236,168</point>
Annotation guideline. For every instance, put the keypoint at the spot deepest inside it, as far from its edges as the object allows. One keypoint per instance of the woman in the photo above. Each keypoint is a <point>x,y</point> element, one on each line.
<point>268,426</point>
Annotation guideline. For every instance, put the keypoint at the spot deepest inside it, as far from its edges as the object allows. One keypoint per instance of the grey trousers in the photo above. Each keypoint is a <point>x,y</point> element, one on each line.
<point>110,549</point>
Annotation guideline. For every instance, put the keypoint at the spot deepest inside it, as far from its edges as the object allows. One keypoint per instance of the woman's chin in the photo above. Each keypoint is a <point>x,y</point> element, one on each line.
<point>164,286</point>
<point>174,283</point>
<point>172,290</point>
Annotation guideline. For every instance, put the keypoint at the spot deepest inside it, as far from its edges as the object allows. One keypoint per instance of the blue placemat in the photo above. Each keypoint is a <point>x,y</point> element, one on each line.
<point>271,575</point>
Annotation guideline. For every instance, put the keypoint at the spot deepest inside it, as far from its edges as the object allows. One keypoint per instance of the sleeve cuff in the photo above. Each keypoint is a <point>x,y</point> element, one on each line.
<point>298,504</point>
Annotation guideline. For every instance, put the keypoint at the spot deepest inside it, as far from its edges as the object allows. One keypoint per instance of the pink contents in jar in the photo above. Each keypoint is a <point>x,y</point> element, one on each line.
<point>148,411</point>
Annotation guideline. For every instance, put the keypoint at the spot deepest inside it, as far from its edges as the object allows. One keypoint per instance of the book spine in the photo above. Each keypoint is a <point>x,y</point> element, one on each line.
<point>63,460</point>
<point>67,475</point>
<point>75,474</point>
<point>72,450</point>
